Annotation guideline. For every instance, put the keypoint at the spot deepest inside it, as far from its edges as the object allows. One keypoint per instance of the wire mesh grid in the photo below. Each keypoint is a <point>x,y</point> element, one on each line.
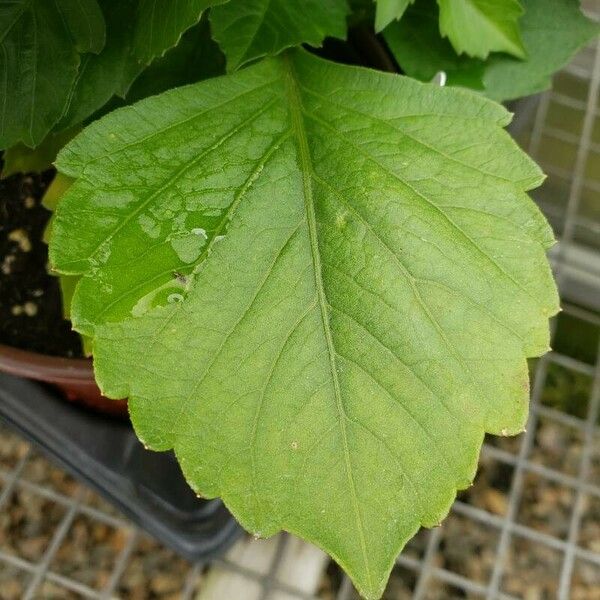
<point>51,527</point>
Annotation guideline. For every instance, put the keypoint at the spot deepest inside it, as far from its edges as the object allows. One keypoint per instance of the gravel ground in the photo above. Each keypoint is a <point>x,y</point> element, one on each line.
<point>154,572</point>
<point>90,548</point>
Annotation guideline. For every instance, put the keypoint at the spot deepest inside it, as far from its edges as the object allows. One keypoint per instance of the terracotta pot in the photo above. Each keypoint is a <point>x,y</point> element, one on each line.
<point>73,376</point>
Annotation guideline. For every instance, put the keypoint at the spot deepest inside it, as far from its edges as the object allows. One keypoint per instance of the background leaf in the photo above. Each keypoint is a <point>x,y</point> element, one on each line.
<point>196,57</point>
<point>478,27</point>
<point>39,43</point>
<point>159,25</point>
<point>388,11</point>
<point>249,29</point>
<point>319,284</point>
<point>421,52</point>
<point>108,73</point>
<point>138,32</point>
<point>21,159</point>
<point>54,88</point>
<point>85,22</point>
<point>553,31</point>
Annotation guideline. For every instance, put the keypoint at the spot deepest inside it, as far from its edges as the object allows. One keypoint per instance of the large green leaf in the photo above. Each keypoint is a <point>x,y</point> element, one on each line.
<point>249,29</point>
<point>39,45</point>
<point>478,27</point>
<point>553,30</point>
<point>388,11</point>
<point>319,285</point>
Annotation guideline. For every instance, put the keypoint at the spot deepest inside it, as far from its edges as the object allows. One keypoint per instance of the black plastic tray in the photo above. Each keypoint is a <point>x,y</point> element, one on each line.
<point>104,453</point>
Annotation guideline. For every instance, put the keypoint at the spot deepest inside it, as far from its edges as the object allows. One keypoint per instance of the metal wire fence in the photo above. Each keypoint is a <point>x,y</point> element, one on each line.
<point>510,550</point>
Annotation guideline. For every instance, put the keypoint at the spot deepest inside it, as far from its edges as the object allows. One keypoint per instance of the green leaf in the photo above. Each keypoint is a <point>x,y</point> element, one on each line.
<point>418,48</point>
<point>196,57</point>
<point>159,25</point>
<point>108,73</point>
<point>39,44</point>
<point>388,11</point>
<point>134,39</point>
<point>55,191</point>
<point>553,31</point>
<point>52,196</point>
<point>21,159</point>
<point>249,29</point>
<point>84,21</point>
<point>319,285</point>
<point>478,27</point>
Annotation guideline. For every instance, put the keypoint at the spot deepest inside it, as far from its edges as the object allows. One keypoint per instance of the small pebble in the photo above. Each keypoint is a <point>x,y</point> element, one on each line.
<point>16,310</point>
<point>12,589</point>
<point>29,202</point>
<point>20,237</point>
<point>533,593</point>
<point>495,501</point>
<point>163,583</point>
<point>6,264</point>
<point>30,309</point>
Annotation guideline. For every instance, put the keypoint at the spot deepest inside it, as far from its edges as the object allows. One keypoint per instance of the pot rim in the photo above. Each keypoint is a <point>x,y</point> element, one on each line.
<point>44,367</point>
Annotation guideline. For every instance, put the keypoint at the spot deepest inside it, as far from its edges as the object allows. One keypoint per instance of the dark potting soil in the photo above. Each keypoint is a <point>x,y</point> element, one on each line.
<point>31,314</point>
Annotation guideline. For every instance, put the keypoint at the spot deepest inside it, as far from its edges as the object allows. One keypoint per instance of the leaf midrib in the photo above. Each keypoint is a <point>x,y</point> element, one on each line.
<point>306,168</point>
